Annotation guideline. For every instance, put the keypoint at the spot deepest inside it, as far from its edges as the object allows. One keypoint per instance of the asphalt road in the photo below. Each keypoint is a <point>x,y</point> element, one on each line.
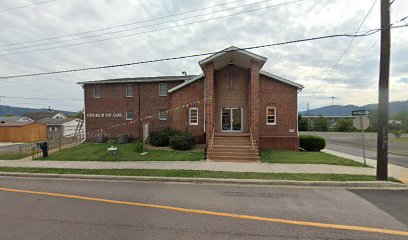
<point>33,216</point>
<point>395,159</point>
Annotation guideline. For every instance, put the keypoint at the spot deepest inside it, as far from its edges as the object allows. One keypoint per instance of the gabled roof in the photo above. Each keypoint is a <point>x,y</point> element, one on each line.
<point>141,79</point>
<point>55,121</point>
<point>232,55</point>
<point>281,79</point>
<point>15,119</point>
<point>186,83</point>
<point>270,75</point>
<point>40,115</point>
<point>16,124</point>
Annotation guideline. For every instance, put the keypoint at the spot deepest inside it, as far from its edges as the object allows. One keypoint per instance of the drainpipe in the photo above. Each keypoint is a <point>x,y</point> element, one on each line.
<point>83,87</point>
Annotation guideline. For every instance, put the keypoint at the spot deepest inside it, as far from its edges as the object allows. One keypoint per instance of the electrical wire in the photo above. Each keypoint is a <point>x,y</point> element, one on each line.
<point>370,32</point>
<point>24,6</point>
<point>150,31</point>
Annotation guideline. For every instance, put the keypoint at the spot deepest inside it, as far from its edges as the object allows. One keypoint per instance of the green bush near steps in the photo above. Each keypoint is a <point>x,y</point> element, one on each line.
<point>312,143</point>
<point>161,137</point>
<point>181,141</point>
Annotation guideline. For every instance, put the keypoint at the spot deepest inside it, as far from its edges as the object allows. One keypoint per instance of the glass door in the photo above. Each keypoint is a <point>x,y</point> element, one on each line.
<point>231,119</point>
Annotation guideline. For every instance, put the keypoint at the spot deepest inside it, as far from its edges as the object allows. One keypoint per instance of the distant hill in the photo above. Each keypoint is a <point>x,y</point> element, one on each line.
<point>339,110</point>
<point>18,111</point>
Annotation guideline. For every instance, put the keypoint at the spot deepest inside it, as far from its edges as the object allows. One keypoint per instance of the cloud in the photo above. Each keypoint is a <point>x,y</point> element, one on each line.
<point>353,81</point>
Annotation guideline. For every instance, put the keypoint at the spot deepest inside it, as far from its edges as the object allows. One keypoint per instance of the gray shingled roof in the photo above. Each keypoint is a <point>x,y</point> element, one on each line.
<point>55,121</point>
<point>13,119</point>
<point>40,115</point>
<point>141,79</point>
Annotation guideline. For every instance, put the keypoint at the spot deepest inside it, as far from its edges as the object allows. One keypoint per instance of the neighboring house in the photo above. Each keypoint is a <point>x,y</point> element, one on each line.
<point>62,127</point>
<point>22,131</point>
<point>15,119</point>
<point>233,103</point>
<point>41,115</point>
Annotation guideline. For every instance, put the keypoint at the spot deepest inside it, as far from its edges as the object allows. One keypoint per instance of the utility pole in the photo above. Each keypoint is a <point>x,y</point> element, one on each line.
<point>383,96</point>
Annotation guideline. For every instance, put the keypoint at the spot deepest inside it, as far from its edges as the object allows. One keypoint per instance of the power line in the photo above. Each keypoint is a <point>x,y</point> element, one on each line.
<point>370,32</point>
<point>121,25</point>
<point>345,50</point>
<point>155,30</point>
<point>53,99</point>
<point>134,28</point>
<point>24,6</point>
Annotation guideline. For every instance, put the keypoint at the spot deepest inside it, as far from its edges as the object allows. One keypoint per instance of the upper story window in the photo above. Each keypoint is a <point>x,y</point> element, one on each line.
<point>162,114</point>
<point>271,116</point>
<point>97,91</point>
<point>163,89</point>
<point>193,116</point>
<point>129,90</point>
<point>129,115</point>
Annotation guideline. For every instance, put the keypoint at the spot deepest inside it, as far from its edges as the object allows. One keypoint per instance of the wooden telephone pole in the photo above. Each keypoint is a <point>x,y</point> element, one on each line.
<point>383,96</point>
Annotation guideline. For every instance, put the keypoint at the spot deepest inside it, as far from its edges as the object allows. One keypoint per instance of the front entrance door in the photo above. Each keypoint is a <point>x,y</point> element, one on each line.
<point>231,119</point>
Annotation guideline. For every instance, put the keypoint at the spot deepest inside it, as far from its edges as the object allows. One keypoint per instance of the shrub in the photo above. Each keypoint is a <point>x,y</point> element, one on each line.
<point>161,137</point>
<point>139,147</point>
<point>182,141</point>
<point>112,141</point>
<point>312,143</point>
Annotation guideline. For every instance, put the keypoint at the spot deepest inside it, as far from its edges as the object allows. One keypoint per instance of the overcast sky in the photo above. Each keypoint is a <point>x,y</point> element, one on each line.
<point>353,81</point>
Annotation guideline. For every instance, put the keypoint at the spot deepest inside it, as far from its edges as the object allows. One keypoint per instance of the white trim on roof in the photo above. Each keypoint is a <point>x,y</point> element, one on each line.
<point>185,83</point>
<point>232,49</point>
<point>281,79</point>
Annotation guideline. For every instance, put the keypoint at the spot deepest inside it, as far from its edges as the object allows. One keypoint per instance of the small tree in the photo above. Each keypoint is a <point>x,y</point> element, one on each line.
<point>302,123</point>
<point>403,118</point>
<point>344,125</point>
<point>321,124</point>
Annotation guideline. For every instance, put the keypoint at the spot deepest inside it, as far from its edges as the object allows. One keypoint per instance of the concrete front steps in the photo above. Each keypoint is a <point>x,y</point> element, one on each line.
<point>233,147</point>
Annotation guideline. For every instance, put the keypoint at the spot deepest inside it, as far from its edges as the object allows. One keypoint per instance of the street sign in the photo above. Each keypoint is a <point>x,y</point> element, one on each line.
<point>359,112</point>
<point>361,122</point>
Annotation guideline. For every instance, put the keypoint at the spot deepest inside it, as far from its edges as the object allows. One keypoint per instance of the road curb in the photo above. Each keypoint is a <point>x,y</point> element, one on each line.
<point>351,184</point>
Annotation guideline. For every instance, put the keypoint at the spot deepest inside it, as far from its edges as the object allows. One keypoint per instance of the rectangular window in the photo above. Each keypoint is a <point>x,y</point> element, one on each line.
<point>193,113</point>
<point>163,89</point>
<point>162,115</point>
<point>129,90</point>
<point>271,116</point>
<point>97,91</point>
<point>129,115</point>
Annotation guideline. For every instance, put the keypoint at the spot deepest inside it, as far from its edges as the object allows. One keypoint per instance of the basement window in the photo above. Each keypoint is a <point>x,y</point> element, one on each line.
<point>162,115</point>
<point>129,115</point>
<point>163,89</point>
<point>271,116</point>
<point>193,116</point>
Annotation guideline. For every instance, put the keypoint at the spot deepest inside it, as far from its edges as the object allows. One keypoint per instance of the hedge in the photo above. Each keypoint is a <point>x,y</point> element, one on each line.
<point>312,143</point>
<point>182,141</point>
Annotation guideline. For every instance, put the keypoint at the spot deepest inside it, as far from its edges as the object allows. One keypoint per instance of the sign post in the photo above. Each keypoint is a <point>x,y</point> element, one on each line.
<point>361,122</point>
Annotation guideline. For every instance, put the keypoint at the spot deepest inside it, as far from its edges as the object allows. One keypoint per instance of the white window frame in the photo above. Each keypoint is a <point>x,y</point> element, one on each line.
<point>268,123</point>
<point>99,88</point>
<point>127,118</point>
<point>161,118</point>
<point>160,86</point>
<point>189,116</point>
<point>131,90</point>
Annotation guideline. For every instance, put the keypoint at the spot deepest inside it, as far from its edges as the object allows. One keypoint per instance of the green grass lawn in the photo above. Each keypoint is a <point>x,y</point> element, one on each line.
<point>306,157</point>
<point>126,152</point>
<point>11,155</point>
<point>401,139</point>
<point>198,174</point>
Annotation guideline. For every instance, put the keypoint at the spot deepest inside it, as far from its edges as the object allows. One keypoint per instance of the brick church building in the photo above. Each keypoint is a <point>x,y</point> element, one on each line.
<point>233,106</point>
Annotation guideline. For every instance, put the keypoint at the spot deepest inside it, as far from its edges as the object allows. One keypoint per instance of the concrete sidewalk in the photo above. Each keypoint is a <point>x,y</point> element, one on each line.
<point>195,165</point>
<point>397,172</point>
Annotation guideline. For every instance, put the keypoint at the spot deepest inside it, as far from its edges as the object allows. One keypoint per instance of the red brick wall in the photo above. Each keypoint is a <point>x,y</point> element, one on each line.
<point>210,101</point>
<point>113,100</point>
<point>284,97</point>
<point>179,119</point>
<point>227,96</point>
<point>255,100</point>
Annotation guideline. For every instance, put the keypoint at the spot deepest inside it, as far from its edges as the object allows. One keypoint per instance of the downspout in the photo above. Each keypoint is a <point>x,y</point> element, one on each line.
<point>297,112</point>
<point>83,87</point>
